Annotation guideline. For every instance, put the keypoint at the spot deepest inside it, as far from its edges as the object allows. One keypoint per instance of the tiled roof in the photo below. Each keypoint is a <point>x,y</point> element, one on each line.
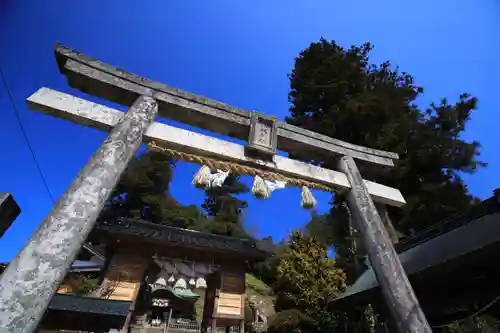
<point>152,232</point>
<point>77,266</point>
<point>67,302</point>
<point>445,241</point>
<point>489,206</point>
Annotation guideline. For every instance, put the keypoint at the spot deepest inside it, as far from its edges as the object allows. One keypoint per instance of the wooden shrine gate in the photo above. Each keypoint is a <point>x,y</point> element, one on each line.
<point>31,279</point>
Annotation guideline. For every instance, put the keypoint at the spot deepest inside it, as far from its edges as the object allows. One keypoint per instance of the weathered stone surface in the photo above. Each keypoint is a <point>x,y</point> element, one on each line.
<point>30,281</point>
<point>263,134</point>
<point>102,80</point>
<point>396,289</point>
<point>98,116</point>
<point>163,234</point>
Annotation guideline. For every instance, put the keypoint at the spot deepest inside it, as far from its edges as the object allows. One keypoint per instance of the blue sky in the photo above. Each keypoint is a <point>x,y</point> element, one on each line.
<point>238,52</point>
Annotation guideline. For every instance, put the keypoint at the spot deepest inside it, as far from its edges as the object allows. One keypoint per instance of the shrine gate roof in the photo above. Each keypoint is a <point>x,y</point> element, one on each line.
<point>157,233</point>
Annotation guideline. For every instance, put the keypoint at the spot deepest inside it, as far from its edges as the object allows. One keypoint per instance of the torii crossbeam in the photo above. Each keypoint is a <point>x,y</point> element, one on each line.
<point>31,279</point>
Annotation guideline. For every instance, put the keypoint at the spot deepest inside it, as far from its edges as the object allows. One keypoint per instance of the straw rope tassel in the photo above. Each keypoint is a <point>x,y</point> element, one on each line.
<point>217,179</point>
<point>202,177</point>
<point>274,185</point>
<point>260,189</point>
<point>307,199</point>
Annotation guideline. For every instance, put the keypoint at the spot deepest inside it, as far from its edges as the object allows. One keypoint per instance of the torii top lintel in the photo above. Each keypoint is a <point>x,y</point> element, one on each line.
<point>105,81</point>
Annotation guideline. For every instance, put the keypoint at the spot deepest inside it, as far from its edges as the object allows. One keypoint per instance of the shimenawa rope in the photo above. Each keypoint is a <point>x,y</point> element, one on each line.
<point>236,168</point>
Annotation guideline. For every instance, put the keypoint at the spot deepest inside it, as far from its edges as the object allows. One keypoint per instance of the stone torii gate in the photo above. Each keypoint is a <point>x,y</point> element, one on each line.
<point>30,281</point>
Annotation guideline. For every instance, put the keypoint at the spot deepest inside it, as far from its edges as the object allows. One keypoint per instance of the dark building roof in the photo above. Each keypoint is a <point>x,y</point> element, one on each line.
<point>9,210</point>
<point>446,241</point>
<point>77,266</point>
<point>76,313</point>
<point>67,302</point>
<point>157,233</point>
<point>489,206</point>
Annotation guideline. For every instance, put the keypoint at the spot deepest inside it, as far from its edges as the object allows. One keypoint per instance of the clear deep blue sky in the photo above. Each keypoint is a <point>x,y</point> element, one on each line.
<point>238,52</point>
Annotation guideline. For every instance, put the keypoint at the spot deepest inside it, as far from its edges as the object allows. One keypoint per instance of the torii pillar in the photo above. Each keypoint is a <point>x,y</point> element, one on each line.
<point>31,279</point>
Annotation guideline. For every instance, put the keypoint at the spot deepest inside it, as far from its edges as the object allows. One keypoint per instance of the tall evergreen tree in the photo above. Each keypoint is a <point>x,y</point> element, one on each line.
<point>225,209</point>
<point>267,270</point>
<point>339,93</point>
<point>143,192</point>
<point>307,280</point>
<point>477,324</point>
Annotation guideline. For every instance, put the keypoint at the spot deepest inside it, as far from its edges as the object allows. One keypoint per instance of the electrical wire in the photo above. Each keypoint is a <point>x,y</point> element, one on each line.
<point>23,130</point>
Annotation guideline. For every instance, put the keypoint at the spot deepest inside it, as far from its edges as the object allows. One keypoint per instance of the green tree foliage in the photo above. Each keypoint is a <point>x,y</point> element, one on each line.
<point>291,321</point>
<point>478,324</point>
<point>339,93</point>
<point>267,270</point>
<point>362,318</point>
<point>307,280</point>
<point>143,192</point>
<point>323,229</point>
<point>82,284</point>
<point>225,209</point>
<point>335,228</point>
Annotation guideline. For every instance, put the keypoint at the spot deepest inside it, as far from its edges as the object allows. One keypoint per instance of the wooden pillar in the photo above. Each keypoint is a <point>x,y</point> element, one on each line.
<point>30,281</point>
<point>131,309</point>
<point>213,325</point>
<point>396,289</point>
<point>204,325</point>
<point>242,326</point>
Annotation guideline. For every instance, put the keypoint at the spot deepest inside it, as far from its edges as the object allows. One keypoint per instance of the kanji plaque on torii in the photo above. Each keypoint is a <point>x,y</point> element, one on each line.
<point>31,279</point>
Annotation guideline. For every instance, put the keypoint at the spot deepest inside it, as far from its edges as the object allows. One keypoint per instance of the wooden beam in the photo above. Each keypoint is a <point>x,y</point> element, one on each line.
<point>102,80</point>
<point>101,117</point>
